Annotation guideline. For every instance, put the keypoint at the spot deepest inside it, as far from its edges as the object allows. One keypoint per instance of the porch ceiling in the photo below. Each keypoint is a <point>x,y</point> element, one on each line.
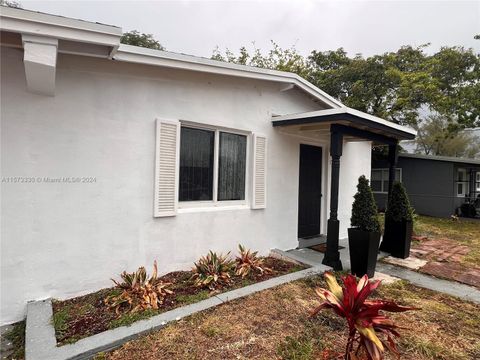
<point>317,124</point>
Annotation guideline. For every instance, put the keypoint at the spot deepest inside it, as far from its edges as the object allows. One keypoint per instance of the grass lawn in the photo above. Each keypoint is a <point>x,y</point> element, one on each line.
<point>465,231</point>
<point>274,324</point>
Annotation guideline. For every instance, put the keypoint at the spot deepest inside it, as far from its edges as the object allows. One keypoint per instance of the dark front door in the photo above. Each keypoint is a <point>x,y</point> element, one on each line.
<point>310,191</point>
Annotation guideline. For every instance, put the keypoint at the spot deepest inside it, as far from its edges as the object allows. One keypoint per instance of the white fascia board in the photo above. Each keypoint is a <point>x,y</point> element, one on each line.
<point>34,23</point>
<point>346,110</point>
<point>382,121</point>
<point>135,54</point>
<point>441,158</point>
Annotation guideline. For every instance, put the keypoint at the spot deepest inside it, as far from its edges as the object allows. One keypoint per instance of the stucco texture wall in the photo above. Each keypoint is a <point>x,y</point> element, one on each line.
<point>65,239</point>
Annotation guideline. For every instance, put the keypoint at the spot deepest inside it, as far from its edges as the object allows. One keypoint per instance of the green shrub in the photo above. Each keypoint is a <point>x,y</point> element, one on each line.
<point>399,208</point>
<point>468,210</point>
<point>364,209</point>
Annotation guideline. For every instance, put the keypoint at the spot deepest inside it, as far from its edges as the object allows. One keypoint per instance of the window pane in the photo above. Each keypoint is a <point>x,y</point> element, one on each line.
<point>397,175</point>
<point>196,164</point>
<point>231,166</point>
<point>460,189</point>
<point>385,185</point>
<point>376,185</point>
<point>376,175</point>
<point>385,174</point>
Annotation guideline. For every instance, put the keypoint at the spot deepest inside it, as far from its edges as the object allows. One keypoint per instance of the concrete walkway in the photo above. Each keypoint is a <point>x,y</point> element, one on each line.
<point>453,288</point>
<point>313,257</point>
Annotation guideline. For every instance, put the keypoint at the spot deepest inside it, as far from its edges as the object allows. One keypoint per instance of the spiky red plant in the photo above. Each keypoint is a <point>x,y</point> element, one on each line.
<point>247,262</point>
<point>364,318</point>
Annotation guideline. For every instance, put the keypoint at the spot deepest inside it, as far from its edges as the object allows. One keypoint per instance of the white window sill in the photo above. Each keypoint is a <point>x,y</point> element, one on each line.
<point>196,209</point>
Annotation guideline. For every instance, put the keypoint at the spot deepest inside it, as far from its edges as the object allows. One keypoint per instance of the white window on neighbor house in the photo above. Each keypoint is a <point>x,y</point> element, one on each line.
<point>477,182</point>
<point>202,166</point>
<point>462,183</point>
<point>379,180</point>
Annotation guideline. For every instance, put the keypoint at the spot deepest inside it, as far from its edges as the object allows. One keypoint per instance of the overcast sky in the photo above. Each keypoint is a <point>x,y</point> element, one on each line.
<point>367,27</point>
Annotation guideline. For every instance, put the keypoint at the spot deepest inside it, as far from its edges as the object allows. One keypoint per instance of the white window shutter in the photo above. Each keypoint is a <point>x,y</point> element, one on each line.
<point>166,167</point>
<point>259,200</point>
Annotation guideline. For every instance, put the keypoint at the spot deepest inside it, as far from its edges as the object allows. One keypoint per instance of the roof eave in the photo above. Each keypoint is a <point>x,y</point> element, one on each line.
<point>346,114</point>
<point>441,158</point>
<point>27,22</point>
<point>141,55</point>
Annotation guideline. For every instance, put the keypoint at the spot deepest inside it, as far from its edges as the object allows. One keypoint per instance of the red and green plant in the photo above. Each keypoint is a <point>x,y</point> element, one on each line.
<point>365,319</point>
<point>138,291</point>
<point>213,270</point>
<point>247,262</point>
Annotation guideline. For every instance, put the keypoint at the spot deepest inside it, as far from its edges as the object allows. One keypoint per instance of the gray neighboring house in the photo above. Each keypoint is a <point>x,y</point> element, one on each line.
<point>436,185</point>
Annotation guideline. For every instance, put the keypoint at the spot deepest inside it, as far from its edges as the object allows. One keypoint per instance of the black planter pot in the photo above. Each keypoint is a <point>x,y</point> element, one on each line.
<point>363,251</point>
<point>397,238</point>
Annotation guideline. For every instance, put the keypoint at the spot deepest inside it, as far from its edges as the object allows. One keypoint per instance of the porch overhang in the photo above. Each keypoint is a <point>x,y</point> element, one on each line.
<point>359,124</point>
<point>340,125</point>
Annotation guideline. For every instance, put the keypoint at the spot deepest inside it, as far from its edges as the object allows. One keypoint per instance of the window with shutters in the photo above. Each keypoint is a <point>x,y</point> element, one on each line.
<point>213,166</point>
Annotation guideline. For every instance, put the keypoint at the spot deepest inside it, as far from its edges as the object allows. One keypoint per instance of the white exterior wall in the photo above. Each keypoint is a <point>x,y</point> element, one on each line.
<point>61,240</point>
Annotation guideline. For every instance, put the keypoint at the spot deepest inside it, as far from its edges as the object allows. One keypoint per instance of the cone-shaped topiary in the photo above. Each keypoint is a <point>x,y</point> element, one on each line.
<point>364,209</point>
<point>399,208</point>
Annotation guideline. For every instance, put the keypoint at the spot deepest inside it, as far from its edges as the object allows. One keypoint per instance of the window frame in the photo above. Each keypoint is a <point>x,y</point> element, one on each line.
<point>477,181</point>
<point>382,181</point>
<point>215,203</point>
<point>465,183</point>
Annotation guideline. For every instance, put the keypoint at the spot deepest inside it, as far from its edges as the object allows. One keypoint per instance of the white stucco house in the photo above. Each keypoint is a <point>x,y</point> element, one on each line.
<point>114,155</point>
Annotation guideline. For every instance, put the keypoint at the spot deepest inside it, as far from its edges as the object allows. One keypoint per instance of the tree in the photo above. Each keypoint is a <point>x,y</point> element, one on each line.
<point>455,74</point>
<point>11,3</point>
<point>276,59</point>
<point>399,86</point>
<point>438,136</point>
<point>140,39</point>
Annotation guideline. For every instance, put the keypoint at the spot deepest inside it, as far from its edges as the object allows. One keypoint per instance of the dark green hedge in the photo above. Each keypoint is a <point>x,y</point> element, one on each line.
<point>364,209</point>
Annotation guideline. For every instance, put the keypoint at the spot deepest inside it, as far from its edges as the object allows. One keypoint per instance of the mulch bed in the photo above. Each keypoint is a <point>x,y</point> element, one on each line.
<point>323,247</point>
<point>88,315</point>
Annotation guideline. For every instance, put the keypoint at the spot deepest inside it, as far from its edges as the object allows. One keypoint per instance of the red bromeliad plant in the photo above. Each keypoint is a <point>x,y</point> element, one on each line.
<point>365,322</point>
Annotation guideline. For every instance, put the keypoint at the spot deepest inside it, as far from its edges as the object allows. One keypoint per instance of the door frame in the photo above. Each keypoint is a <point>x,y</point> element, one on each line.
<point>325,180</point>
